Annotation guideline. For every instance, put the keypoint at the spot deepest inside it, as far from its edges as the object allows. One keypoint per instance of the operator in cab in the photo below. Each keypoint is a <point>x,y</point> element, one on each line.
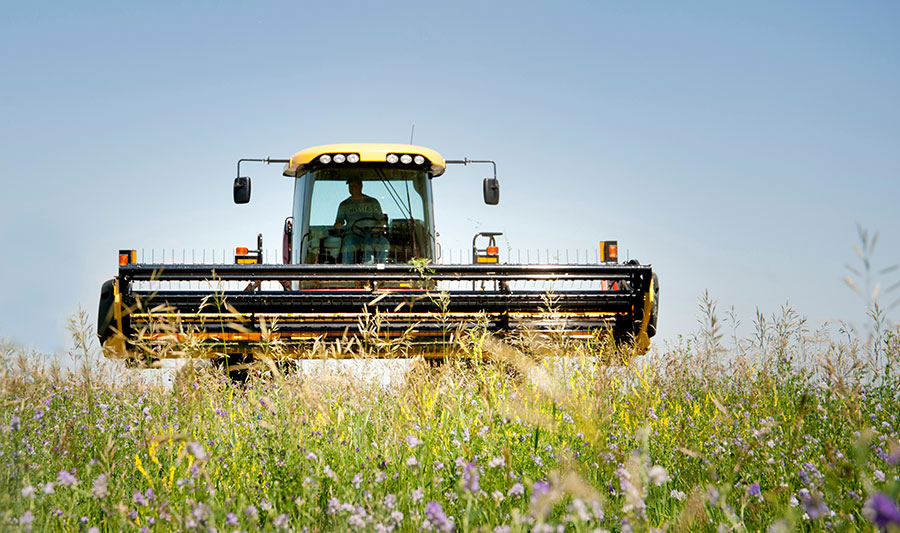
<point>365,223</point>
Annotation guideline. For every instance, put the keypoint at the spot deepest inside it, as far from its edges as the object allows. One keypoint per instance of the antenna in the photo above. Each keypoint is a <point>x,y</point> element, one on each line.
<point>411,133</point>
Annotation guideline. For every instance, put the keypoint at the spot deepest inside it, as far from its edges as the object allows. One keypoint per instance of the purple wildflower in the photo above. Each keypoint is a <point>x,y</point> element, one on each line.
<point>390,501</point>
<point>15,423</point>
<point>251,511</point>
<point>539,489</point>
<point>412,441</point>
<point>39,414</point>
<point>804,477</point>
<point>471,478</point>
<point>417,495</point>
<point>66,479</point>
<point>435,514</point>
<point>139,499</point>
<point>28,492</point>
<point>882,511</point>
<point>754,490</point>
<point>358,518</point>
<point>813,471</point>
<point>201,511</point>
<point>282,521</point>
<point>894,458</point>
<point>813,504</point>
<point>516,490</point>
<point>231,519</point>
<point>333,505</point>
<point>26,521</point>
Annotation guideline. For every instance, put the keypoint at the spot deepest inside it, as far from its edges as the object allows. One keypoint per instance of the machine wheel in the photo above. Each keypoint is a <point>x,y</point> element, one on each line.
<point>654,312</point>
<point>236,366</point>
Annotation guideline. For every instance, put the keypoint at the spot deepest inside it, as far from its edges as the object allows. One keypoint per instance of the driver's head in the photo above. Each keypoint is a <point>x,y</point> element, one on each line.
<point>355,186</point>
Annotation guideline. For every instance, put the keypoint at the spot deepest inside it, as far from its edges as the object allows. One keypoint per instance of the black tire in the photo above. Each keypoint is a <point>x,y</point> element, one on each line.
<point>105,311</point>
<point>238,375</point>
<point>654,312</point>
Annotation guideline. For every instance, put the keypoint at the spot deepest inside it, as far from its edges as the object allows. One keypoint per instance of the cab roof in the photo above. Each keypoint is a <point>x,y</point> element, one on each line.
<point>301,162</point>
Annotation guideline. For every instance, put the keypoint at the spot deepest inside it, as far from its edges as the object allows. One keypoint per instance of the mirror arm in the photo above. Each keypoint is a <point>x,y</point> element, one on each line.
<point>267,161</point>
<point>466,161</point>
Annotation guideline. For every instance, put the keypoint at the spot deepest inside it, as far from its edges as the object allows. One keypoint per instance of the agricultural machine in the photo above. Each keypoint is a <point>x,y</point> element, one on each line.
<point>359,258</point>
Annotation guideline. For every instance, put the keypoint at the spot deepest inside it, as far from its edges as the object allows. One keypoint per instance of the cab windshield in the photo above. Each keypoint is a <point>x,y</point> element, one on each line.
<point>368,215</point>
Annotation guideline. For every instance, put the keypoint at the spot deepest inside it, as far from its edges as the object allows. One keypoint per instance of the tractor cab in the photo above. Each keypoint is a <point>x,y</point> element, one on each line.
<point>361,204</point>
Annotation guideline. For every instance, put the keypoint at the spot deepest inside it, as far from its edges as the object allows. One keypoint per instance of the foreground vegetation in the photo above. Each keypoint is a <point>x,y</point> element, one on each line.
<point>789,429</point>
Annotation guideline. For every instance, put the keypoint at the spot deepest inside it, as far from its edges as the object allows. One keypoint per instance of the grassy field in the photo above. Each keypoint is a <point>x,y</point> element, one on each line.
<point>790,429</point>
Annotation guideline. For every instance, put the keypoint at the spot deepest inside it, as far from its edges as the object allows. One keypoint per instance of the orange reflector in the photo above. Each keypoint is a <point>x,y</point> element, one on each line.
<point>127,257</point>
<point>609,252</point>
<point>241,250</point>
<point>493,250</point>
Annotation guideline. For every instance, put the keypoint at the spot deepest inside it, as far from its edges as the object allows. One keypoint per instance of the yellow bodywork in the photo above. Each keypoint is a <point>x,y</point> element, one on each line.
<point>368,153</point>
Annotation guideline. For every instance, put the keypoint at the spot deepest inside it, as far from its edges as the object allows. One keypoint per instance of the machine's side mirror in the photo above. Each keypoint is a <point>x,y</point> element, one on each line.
<point>491,191</point>
<point>241,190</point>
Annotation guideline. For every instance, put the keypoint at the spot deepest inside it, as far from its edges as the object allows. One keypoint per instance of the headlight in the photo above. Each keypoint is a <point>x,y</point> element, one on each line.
<point>339,158</point>
<point>419,160</point>
<point>406,159</point>
<point>325,159</point>
<point>353,158</point>
<point>392,158</point>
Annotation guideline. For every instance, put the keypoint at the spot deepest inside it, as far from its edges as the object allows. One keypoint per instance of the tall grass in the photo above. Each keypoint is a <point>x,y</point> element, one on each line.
<point>791,428</point>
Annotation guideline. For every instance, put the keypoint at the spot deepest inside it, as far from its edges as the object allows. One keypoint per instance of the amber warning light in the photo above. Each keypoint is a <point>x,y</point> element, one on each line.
<point>609,252</point>
<point>127,257</point>
<point>245,256</point>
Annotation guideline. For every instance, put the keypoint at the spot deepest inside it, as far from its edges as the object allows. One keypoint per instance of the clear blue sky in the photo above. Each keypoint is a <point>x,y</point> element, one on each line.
<point>733,146</point>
